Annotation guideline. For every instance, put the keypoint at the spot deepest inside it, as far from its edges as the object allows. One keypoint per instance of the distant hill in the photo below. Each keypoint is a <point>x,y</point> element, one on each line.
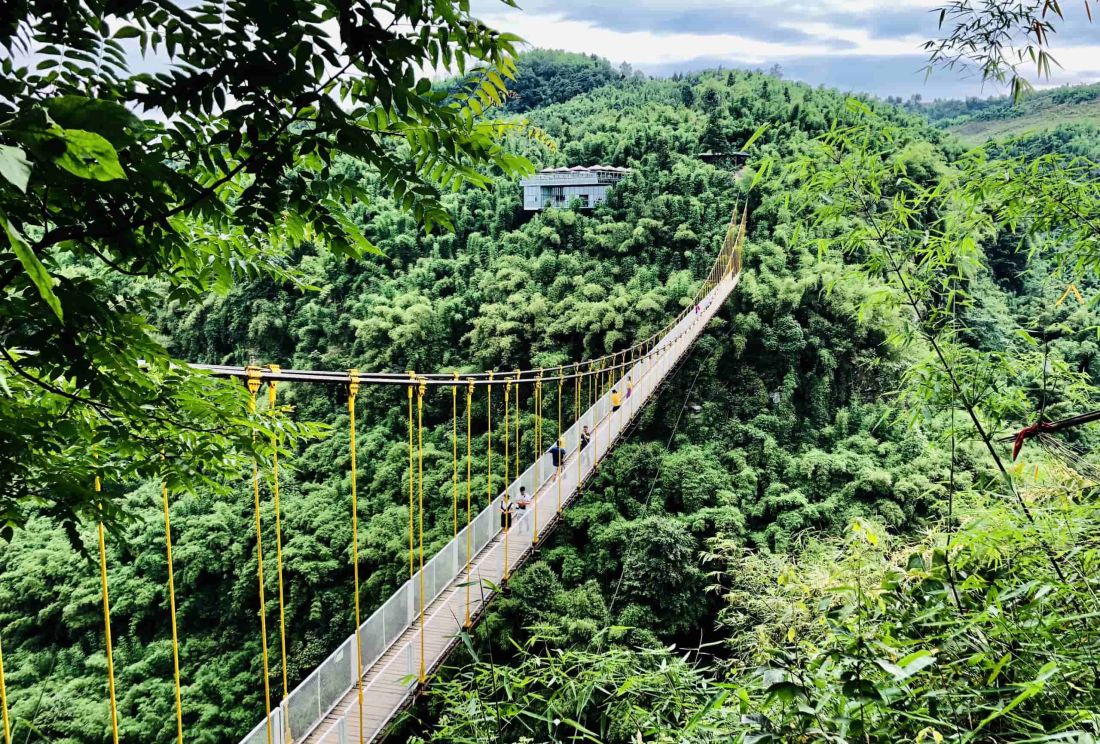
<point>976,120</point>
<point>548,76</point>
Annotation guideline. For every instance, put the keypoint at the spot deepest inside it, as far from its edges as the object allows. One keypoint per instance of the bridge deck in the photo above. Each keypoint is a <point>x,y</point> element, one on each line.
<point>392,645</point>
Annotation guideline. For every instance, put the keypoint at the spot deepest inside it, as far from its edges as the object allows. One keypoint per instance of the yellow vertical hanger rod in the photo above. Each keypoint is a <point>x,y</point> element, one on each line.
<point>253,382</point>
<point>4,699</point>
<point>469,493</point>
<point>353,393</point>
<point>412,472</point>
<point>420,466</point>
<point>172,610</point>
<point>272,411</point>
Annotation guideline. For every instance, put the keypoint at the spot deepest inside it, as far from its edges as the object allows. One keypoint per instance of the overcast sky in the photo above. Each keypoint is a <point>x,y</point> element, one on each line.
<point>872,46</point>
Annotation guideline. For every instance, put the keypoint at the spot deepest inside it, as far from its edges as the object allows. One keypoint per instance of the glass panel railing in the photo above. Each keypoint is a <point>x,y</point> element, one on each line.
<point>397,613</point>
<point>258,735</point>
<point>316,696</point>
<point>373,639</point>
<point>304,706</point>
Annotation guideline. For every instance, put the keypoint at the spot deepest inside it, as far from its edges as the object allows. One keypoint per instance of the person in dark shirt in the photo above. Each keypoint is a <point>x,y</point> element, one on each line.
<point>557,456</point>
<point>586,437</point>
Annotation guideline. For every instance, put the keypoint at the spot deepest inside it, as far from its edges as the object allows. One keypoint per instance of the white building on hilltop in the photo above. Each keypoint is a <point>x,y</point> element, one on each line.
<point>558,187</point>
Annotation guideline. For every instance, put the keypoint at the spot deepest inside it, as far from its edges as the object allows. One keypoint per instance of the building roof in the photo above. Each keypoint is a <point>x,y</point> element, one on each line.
<point>587,169</point>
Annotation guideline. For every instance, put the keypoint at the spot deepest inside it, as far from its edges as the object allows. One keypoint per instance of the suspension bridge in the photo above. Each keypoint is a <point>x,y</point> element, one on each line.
<point>388,657</point>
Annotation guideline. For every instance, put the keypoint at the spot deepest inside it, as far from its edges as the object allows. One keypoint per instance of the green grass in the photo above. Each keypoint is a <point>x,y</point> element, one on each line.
<point>1048,117</point>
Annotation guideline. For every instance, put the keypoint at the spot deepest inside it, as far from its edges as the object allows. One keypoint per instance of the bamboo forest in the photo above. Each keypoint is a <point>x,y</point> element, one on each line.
<point>450,371</point>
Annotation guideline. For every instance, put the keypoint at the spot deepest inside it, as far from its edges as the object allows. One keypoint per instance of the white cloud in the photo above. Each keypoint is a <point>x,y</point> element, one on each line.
<point>871,45</point>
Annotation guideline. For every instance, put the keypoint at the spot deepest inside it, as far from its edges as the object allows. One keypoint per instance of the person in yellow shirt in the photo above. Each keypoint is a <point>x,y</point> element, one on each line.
<point>616,399</point>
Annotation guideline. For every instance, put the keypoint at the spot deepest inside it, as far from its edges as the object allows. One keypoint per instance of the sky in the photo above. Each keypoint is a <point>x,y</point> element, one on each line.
<point>870,46</point>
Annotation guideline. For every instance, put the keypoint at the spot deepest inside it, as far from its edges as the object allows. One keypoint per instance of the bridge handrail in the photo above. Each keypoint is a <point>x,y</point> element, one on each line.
<point>339,730</point>
<point>316,696</point>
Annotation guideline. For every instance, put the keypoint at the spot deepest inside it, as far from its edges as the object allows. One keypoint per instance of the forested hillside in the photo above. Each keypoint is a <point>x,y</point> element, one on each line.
<point>821,466</point>
<point>544,77</point>
<point>978,119</point>
<point>779,514</point>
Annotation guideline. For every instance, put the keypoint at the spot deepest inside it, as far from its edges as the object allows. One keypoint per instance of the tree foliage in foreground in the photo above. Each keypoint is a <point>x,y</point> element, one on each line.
<point>999,37</point>
<point>195,145</point>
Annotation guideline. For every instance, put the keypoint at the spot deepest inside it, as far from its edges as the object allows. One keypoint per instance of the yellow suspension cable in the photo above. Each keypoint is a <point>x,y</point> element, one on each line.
<point>107,625</point>
<point>592,383</point>
<point>517,373</point>
<point>353,392</point>
<point>577,419</point>
<point>507,485</point>
<point>628,383</point>
<point>412,494</point>
<point>507,433</point>
<point>454,443</point>
<point>741,235</point>
<point>271,396</point>
<point>489,446</point>
<point>469,494</point>
<point>612,384</point>
<point>254,375</point>
<point>420,462</point>
<point>558,439</point>
<point>4,699</point>
<point>538,456</point>
<point>172,611</point>
<point>596,395</point>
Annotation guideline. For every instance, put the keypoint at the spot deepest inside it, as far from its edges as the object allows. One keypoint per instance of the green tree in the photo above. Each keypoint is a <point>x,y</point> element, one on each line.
<point>228,168</point>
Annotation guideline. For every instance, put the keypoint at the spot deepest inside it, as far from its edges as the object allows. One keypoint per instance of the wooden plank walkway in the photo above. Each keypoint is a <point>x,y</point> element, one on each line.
<point>389,681</point>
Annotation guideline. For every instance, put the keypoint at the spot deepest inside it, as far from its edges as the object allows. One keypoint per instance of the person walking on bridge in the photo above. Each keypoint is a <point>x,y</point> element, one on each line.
<point>557,456</point>
<point>522,502</point>
<point>506,510</point>
<point>586,437</point>
<point>616,400</point>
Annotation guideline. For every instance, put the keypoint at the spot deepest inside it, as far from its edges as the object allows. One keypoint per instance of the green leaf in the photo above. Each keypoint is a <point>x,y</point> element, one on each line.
<point>786,691</point>
<point>755,136</point>
<point>89,155</point>
<point>996,671</point>
<point>15,167</point>
<point>577,726</point>
<point>112,120</point>
<point>34,268</point>
<point>351,233</point>
<point>128,32</point>
<point>891,668</point>
<point>765,166</point>
<point>917,660</point>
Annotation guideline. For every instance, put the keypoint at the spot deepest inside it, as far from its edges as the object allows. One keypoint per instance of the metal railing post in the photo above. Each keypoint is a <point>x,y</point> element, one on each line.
<point>278,729</point>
